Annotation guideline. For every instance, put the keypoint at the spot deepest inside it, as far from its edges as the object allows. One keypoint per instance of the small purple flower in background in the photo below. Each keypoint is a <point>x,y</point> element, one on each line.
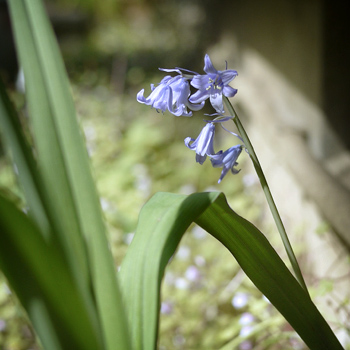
<point>183,253</point>
<point>240,300</point>
<point>199,260</point>
<point>172,93</point>
<point>181,283</point>
<point>2,325</point>
<point>203,145</point>
<point>213,85</point>
<point>166,308</point>
<point>227,160</point>
<point>246,331</point>
<point>246,319</point>
<point>193,274</point>
<point>246,345</point>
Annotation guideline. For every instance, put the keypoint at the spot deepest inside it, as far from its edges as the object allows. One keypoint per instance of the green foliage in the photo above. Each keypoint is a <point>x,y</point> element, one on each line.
<point>43,283</point>
<point>55,254</point>
<point>162,222</point>
<point>65,187</point>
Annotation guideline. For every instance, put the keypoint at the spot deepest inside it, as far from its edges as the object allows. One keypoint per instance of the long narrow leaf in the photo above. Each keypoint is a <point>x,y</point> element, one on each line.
<point>30,182</point>
<point>23,160</point>
<point>265,268</point>
<point>63,163</point>
<point>50,159</point>
<point>41,279</point>
<point>163,221</point>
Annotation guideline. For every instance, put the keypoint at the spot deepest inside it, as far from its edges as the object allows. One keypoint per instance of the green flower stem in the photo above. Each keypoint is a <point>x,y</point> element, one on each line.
<point>268,195</point>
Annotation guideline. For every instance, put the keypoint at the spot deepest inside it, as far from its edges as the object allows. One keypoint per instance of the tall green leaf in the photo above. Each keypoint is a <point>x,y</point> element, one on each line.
<point>39,274</point>
<point>42,90</point>
<point>23,160</point>
<point>72,202</point>
<point>158,233</point>
<point>163,221</point>
<point>30,181</point>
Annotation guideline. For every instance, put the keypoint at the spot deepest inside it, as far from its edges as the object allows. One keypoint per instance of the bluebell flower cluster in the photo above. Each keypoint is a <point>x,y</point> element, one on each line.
<point>174,94</point>
<point>171,94</point>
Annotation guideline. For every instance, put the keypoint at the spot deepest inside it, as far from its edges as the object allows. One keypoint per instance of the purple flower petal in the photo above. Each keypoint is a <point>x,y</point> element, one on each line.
<point>228,75</point>
<point>187,143</point>
<point>226,160</point>
<point>214,84</point>
<point>199,96</point>
<point>216,102</point>
<point>199,81</point>
<point>208,66</point>
<point>203,144</point>
<point>229,91</point>
<point>171,94</point>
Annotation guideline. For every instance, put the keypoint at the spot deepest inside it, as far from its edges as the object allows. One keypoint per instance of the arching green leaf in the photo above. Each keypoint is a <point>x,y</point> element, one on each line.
<point>163,221</point>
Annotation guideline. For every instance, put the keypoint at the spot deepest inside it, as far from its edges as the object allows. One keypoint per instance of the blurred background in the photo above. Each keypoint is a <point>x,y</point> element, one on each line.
<point>293,98</point>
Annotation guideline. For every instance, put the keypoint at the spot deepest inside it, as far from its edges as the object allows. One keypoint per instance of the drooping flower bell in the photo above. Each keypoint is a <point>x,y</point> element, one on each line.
<point>227,160</point>
<point>171,94</point>
<point>213,85</point>
<point>203,144</point>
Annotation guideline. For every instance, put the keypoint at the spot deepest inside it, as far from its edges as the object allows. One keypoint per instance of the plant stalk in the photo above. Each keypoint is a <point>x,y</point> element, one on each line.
<point>268,195</point>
